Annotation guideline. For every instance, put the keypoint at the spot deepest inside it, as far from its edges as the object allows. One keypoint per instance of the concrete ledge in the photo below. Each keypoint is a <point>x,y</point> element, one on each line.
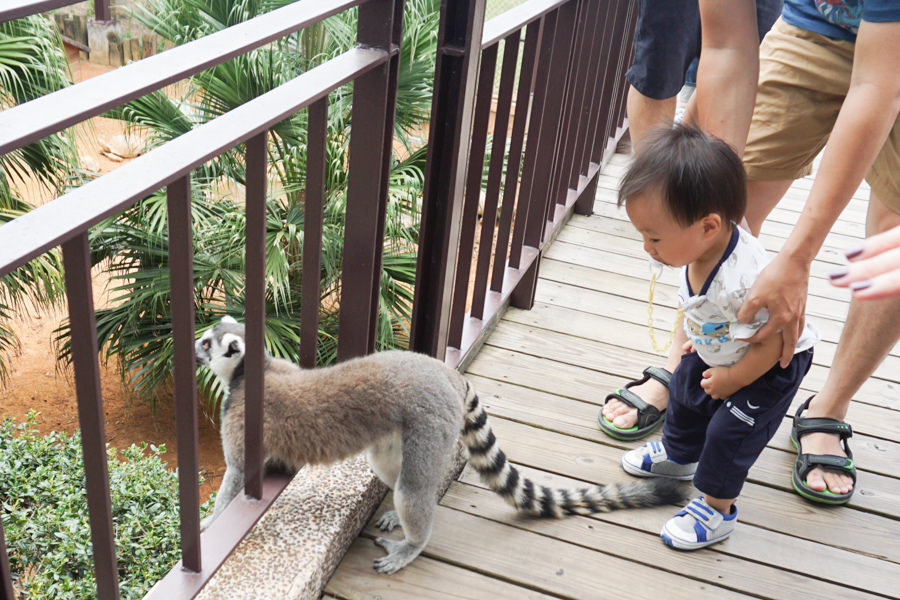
<point>297,544</point>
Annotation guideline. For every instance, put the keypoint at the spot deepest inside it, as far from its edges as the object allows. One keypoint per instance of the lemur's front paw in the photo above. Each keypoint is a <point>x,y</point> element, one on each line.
<point>388,521</point>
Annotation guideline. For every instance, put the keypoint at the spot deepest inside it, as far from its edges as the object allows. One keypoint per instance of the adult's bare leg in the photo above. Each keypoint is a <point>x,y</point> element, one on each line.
<point>762,197</point>
<point>871,330</point>
<point>652,392</point>
<point>645,113</point>
<point>729,69</point>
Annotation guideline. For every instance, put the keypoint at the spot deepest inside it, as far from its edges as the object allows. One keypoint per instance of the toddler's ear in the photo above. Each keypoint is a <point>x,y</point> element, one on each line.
<point>712,224</point>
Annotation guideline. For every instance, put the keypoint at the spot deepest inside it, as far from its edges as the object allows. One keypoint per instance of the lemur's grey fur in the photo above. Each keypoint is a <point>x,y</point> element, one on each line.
<point>407,411</point>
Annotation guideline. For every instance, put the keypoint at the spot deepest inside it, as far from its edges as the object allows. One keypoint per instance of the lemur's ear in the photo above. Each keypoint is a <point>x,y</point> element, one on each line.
<point>228,319</point>
<point>234,344</point>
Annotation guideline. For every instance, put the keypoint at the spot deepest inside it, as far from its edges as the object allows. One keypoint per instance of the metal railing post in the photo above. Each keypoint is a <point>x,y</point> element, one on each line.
<point>79,293</point>
<point>456,68</point>
<point>313,206</point>
<point>374,99</point>
<point>181,276</point>
<point>255,314</point>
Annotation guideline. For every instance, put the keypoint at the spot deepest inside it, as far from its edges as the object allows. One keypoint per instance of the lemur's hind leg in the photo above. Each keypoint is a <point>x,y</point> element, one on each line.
<point>425,461</point>
<point>385,458</point>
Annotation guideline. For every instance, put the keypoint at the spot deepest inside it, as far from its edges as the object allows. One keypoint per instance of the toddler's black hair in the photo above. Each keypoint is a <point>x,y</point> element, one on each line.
<point>696,174</point>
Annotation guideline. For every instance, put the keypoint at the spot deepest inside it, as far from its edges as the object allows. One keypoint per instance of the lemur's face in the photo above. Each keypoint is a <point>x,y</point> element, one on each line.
<point>221,348</point>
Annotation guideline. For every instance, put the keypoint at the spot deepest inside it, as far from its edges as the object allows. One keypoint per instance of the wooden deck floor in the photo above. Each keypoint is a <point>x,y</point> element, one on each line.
<point>544,373</point>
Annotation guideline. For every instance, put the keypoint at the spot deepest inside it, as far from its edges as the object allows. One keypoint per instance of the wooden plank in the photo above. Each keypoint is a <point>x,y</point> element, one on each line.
<point>630,316</point>
<point>606,242</point>
<point>754,559</point>
<point>760,505</point>
<point>852,223</point>
<point>772,236</point>
<point>822,300</point>
<point>608,215</point>
<point>355,579</point>
<point>633,339</point>
<point>531,371</point>
<point>554,567</point>
<point>822,314</point>
<point>624,365</point>
<point>543,375</point>
<point>635,310</point>
<point>879,491</point>
<point>578,418</point>
<point>794,199</point>
<point>604,357</point>
<point>797,193</point>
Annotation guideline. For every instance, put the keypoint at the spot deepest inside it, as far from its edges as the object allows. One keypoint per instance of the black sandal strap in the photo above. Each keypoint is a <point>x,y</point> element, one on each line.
<point>647,413</point>
<point>628,397</point>
<point>837,464</point>
<point>658,373</point>
<point>805,425</point>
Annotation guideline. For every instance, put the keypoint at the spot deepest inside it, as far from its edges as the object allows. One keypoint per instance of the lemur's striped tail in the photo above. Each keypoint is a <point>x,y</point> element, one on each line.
<point>495,470</point>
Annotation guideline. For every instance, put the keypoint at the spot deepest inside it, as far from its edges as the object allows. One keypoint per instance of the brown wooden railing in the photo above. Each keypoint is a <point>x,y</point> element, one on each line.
<point>561,88</point>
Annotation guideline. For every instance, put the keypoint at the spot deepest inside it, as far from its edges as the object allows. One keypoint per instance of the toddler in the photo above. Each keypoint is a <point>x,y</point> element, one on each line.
<point>684,192</point>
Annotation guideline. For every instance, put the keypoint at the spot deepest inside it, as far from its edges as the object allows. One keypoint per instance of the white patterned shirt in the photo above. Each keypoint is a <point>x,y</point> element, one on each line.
<point>710,316</point>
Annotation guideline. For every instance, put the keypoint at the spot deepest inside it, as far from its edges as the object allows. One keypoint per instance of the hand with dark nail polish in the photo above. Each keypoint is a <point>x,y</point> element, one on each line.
<point>874,270</point>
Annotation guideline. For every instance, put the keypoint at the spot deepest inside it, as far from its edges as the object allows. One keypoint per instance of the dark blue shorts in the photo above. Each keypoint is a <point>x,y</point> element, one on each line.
<point>726,436</point>
<point>667,39</point>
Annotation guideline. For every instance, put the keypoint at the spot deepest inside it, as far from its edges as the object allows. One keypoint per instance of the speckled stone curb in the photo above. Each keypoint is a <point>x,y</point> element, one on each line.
<point>297,544</point>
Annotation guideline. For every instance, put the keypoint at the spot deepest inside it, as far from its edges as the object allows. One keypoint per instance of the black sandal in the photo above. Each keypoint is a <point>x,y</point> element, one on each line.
<point>807,462</point>
<point>649,417</point>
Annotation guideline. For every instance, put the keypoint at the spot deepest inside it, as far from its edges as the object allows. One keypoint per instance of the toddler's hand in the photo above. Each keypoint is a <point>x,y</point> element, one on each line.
<point>687,348</point>
<point>718,383</point>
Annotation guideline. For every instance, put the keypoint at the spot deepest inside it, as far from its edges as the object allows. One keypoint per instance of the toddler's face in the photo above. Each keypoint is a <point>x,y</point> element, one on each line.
<point>665,240</point>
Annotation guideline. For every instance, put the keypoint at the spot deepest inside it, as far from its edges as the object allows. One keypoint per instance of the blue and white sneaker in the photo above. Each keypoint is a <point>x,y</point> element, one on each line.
<point>651,460</point>
<point>698,525</point>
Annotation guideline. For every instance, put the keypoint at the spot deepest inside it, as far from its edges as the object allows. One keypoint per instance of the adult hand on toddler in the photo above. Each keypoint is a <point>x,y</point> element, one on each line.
<point>781,288</point>
<point>718,383</point>
<point>875,269</point>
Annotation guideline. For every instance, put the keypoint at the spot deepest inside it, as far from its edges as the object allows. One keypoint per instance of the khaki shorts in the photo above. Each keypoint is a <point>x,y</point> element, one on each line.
<point>803,79</point>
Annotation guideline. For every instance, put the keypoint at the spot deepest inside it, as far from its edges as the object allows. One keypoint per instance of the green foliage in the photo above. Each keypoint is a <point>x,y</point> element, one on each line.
<point>32,63</point>
<point>133,247</point>
<point>45,517</point>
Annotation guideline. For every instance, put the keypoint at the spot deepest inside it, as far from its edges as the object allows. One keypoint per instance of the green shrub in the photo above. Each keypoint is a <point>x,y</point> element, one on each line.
<point>45,517</point>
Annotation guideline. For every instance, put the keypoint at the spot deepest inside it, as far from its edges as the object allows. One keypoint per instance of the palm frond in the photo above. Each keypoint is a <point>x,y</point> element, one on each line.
<point>133,247</point>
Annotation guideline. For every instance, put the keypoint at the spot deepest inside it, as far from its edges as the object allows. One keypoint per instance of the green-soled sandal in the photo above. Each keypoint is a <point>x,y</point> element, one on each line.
<point>807,462</point>
<point>649,417</point>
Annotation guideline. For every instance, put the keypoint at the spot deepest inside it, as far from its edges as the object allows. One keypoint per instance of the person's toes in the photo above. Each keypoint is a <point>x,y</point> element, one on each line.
<point>625,420</point>
<point>838,483</point>
<point>611,408</point>
<point>815,480</point>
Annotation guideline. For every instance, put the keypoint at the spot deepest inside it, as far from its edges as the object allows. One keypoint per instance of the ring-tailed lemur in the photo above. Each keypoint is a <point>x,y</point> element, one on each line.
<point>407,410</point>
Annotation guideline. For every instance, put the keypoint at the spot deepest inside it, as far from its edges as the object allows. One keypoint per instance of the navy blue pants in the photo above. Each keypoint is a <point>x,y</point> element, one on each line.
<point>726,436</point>
<point>667,39</point>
